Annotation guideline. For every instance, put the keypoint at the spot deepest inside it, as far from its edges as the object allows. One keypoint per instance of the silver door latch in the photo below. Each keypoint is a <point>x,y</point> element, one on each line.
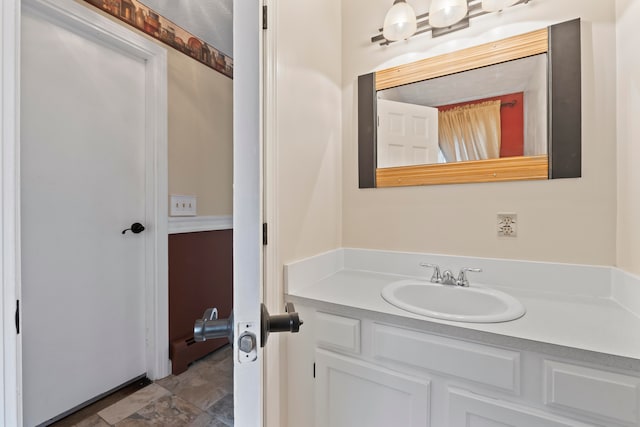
<point>210,327</point>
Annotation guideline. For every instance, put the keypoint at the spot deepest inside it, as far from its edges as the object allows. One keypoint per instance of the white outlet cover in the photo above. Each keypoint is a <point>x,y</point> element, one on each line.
<point>180,205</point>
<point>507,225</point>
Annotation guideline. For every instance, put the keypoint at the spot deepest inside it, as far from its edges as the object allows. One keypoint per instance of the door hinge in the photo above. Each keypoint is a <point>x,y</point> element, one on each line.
<point>314,370</point>
<point>264,17</point>
<point>18,317</point>
<point>264,234</point>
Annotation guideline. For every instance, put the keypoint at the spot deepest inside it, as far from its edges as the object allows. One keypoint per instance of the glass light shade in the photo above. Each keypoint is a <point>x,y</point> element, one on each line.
<point>497,5</point>
<point>400,22</point>
<point>444,13</point>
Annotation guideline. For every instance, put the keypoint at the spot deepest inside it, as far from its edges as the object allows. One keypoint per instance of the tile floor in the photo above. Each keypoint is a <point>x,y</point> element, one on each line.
<point>200,397</point>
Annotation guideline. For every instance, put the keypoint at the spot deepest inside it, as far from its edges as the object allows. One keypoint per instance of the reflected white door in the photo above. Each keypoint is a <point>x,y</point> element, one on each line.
<point>83,182</point>
<point>407,134</point>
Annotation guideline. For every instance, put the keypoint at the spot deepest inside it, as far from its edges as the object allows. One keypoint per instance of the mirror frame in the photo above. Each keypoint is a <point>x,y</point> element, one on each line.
<point>561,43</point>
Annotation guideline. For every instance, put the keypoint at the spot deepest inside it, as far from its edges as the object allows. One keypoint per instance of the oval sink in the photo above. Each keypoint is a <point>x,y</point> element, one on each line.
<point>473,304</point>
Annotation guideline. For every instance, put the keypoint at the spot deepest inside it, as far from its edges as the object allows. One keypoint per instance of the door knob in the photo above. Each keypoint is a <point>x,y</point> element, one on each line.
<point>210,327</point>
<point>136,228</point>
<point>289,322</point>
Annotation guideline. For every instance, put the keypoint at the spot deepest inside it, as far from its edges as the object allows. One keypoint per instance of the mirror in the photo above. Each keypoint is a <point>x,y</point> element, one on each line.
<point>507,110</point>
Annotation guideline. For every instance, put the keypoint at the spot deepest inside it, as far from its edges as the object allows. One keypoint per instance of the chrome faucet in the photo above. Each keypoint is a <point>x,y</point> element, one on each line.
<point>436,278</point>
<point>447,277</point>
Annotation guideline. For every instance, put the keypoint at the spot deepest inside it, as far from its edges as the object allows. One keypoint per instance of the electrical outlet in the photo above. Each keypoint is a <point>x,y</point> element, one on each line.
<point>507,225</point>
<point>182,205</point>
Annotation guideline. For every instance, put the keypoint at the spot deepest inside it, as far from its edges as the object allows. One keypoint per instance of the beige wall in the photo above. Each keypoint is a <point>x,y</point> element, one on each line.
<point>308,127</point>
<point>559,220</point>
<point>200,134</point>
<point>200,130</point>
<point>628,36</point>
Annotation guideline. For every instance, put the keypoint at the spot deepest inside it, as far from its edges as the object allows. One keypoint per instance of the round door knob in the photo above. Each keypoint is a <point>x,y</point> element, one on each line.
<point>136,228</point>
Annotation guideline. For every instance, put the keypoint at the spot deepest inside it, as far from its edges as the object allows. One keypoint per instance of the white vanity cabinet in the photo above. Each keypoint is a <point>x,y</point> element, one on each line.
<point>347,370</point>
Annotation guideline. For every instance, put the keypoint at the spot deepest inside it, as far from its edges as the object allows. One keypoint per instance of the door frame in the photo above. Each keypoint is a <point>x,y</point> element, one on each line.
<point>11,372</point>
<point>275,354</point>
<point>81,19</point>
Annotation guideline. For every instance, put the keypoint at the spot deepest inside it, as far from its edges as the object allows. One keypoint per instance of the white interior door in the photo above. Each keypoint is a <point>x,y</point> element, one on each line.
<point>247,211</point>
<point>407,134</point>
<point>83,182</point>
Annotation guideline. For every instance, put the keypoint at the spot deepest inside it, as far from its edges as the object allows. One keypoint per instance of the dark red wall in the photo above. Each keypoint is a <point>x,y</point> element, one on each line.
<point>511,119</point>
<point>200,276</point>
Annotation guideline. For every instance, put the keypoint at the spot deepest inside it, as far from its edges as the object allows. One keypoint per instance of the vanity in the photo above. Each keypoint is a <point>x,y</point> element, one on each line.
<point>573,359</point>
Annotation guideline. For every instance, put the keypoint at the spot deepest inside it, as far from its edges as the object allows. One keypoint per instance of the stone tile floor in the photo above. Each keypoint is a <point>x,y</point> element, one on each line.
<point>200,397</point>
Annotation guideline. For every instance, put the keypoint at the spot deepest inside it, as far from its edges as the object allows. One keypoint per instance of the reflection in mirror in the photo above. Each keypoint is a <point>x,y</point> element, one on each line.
<point>486,113</point>
<point>447,154</point>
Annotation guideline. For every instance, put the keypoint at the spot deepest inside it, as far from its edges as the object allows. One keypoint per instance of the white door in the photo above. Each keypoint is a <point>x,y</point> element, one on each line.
<point>247,219</point>
<point>83,183</point>
<point>407,134</point>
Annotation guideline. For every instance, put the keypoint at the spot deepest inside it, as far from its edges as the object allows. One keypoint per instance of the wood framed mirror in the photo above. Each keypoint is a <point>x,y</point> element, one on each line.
<point>546,142</point>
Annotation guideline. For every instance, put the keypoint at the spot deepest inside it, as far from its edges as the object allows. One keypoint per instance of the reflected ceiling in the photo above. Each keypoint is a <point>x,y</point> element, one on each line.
<point>210,20</point>
<point>507,77</point>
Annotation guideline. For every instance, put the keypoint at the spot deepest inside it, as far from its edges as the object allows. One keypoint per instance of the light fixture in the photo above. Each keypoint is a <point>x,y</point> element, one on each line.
<point>497,5</point>
<point>445,13</point>
<point>443,17</point>
<point>400,21</point>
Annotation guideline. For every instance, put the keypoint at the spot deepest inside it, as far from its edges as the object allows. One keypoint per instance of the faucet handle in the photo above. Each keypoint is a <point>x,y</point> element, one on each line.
<point>436,278</point>
<point>462,277</point>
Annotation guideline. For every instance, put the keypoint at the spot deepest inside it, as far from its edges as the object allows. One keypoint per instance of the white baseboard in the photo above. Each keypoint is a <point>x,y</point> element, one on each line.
<point>192,224</point>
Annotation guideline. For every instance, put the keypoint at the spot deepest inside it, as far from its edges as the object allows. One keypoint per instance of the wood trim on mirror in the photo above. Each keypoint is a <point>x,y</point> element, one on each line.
<point>493,170</point>
<point>516,47</point>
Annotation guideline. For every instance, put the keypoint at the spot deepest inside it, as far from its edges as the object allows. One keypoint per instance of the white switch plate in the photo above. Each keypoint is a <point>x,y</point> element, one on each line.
<point>182,205</point>
<point>507,225</point>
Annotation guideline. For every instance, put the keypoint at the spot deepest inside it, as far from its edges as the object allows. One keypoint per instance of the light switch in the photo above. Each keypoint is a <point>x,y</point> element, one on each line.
<point>182,205</point>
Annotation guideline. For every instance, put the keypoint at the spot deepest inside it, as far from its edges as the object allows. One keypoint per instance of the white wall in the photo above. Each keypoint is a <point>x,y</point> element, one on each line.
<point>559,220</point>
<point>535,106</point>
<point>308,128</point>
<point>628,36</point>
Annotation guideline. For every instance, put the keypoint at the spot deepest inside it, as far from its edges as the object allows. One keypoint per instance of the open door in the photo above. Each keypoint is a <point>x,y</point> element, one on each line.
<point>249,326</point>
<point>247,210</point>
<point>407,134</point>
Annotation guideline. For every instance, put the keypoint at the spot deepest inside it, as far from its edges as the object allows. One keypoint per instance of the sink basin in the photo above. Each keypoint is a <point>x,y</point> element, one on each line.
<point>474,304</point>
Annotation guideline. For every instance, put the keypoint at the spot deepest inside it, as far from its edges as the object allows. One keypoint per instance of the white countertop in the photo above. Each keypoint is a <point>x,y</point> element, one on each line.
<point>592,323</point>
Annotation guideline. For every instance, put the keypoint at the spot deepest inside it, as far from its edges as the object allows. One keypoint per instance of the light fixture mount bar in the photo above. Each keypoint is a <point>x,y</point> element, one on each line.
<point>475,10</point>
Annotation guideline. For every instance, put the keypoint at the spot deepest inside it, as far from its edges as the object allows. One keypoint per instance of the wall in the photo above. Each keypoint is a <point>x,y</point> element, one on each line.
<point>561,220</point>
<point>535,140</point>
<point>200,276</point>
<point>200,103</point>
<point>308,127</point>
<point>628,15</point>
<point>200,134</point>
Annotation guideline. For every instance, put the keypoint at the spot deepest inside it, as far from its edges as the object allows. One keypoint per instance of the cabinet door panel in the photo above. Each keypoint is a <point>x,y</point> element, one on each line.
<point>483,364</point>
<point>592,392</point>
<point>471,410</point>
<point>354,393</point>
